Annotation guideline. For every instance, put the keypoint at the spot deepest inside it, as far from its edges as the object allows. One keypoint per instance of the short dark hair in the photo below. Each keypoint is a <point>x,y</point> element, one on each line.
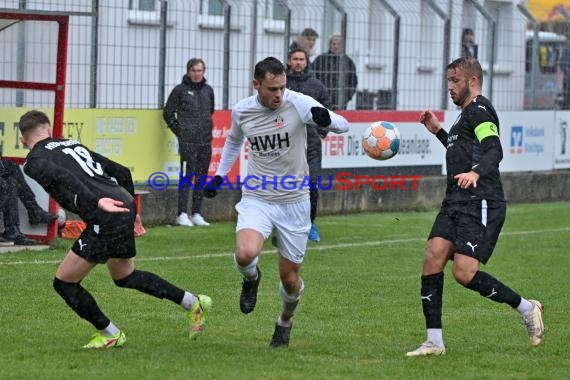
<point>298,50</point>
<point>470,65</point>
<point>269,65</point>
<point>310,32</point>
<point>31,120</point>
<point>193,62</point>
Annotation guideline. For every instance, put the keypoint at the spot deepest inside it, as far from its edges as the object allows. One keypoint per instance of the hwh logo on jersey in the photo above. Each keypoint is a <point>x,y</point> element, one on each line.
<point>267,142</point>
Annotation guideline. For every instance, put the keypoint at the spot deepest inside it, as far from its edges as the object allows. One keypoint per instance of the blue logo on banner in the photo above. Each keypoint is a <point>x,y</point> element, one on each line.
<point>516,139</point>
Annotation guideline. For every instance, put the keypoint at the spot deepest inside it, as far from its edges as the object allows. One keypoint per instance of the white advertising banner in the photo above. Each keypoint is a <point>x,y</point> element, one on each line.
<point>531,140</point>
<point>528,140</point>
<point>562,140</point>
<point>418,147</point>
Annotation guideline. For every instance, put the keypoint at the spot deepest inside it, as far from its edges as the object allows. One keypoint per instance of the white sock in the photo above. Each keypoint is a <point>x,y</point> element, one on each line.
<point>435,336</point>
<point>283,323</point>
<point>250,270</point>
<point>524,306</point>
<point>188,300</point>
<point>110,330</point>
<point>289,303</point>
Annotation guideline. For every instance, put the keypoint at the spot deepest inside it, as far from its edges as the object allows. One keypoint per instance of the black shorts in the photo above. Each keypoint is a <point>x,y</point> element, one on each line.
<point>472,227</point>
<point>101,242</point>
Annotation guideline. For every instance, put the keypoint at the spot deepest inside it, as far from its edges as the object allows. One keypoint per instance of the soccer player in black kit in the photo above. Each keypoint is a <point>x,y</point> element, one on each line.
<point>473,210</point>
<point>101,192</point>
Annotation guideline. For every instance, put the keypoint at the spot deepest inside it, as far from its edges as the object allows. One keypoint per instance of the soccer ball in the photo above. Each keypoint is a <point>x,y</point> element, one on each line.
<point>381,140</point>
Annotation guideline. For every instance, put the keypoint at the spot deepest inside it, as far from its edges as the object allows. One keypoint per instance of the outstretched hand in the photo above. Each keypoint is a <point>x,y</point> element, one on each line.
<point>111,205</point>
<point>430,121</point>
<point>321,116</point>
<point>211,188</point>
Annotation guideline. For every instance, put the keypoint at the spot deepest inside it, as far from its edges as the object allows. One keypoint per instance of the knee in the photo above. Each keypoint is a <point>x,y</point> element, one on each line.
<point>434,260</point>
<point>463,275</point>
<point>125,282</point>
<point>64,288</point>
<point>291,283</point>
<point>245,254</point>
<point>244,257</point>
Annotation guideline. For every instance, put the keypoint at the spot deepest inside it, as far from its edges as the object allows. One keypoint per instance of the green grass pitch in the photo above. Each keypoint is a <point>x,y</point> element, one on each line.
<point>359,315</point>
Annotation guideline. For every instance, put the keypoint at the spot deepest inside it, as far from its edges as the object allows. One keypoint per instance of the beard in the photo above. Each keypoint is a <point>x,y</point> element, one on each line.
<point>462,96</point>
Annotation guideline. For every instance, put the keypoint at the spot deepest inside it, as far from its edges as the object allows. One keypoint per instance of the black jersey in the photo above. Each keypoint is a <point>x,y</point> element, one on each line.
<point>77,177</point>
<point>466,151</point>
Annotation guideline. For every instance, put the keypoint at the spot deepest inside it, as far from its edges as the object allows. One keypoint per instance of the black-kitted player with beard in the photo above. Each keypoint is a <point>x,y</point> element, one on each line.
<point>101,192</point>
<point>473,211</point>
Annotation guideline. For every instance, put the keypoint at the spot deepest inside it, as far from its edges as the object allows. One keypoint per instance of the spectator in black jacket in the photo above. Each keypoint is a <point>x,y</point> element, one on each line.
<point>337,71</point>
<point>10,171</point>
<point>9,210</point>
<point>300,79</point>
<point>188,113</point>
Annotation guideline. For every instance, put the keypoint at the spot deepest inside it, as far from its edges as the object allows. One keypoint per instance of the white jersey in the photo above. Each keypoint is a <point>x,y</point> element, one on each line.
<point>277,158</point>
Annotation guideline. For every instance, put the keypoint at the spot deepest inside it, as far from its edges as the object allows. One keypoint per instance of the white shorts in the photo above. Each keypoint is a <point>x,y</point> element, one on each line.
<point>289,222</point>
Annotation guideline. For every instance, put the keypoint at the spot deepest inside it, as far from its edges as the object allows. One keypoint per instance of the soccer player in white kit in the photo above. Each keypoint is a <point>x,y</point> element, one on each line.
<point>275,196</point>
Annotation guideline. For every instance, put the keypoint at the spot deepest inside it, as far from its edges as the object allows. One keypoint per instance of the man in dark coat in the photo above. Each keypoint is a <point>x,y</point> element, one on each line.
<point>188,113</point>
<point>337,71</point>
<point>300,79</point>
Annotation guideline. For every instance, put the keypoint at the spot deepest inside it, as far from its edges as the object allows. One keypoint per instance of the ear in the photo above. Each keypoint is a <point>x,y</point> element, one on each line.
<point>256,84</point>
<point>473,81</point>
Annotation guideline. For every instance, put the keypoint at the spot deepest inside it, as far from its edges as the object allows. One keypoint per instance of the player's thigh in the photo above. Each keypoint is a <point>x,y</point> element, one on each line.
<point>479,227</point>
<point>437,252</point>
<point>444,225</point>
<point>255,215</point>
<point>73,268</point>
<point>252,229</point>
<point>291,228</point>
<point>249,243</point>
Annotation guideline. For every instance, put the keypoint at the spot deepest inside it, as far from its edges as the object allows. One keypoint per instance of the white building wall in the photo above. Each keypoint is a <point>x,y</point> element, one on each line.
<point>128,50</point>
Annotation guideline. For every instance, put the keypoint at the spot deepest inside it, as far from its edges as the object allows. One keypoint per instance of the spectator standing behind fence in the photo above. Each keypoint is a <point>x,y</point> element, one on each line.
<point>337,72</point>
<point>564,65</point>
<point>468,45</point>
<point>306,40</point>
<point>301,79</point>
<point>188,114</point>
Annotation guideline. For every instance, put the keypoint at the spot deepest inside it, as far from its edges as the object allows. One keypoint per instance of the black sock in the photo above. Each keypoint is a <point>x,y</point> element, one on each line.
<point>83,303</point>
<point>432,294</point>
<point>150,283</point>
<point>491,288</point>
